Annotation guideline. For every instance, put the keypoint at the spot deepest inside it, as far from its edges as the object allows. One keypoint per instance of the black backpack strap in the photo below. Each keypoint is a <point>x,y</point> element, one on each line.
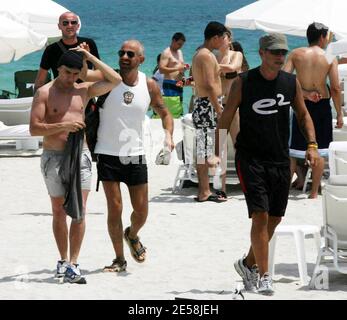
<point>101,100</point>
<point>61,46</point>
<point>98,179</point>
<point>99,104</point>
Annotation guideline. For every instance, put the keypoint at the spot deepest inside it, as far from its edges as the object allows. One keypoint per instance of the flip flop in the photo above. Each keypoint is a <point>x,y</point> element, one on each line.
<point>211,198</point>
<point>221,194</point>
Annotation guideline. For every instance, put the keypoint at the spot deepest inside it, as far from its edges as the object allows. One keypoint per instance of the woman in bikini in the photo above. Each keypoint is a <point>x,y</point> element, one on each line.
<point>230,63</point>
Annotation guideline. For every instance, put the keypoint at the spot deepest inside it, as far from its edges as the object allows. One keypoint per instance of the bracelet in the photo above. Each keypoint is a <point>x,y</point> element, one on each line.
<point>312,145</point>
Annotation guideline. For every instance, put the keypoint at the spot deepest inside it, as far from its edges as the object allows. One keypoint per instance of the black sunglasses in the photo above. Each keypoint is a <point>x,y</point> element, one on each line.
<point>278,52</point>
<point>67,22</point>
<point>130,54</point>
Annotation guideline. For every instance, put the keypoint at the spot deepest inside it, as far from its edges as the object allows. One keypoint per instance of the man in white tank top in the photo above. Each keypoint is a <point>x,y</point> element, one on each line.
<point>121,155</point>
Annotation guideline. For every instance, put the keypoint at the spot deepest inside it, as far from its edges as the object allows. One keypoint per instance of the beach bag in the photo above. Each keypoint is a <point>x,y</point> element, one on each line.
<point>92,120</point>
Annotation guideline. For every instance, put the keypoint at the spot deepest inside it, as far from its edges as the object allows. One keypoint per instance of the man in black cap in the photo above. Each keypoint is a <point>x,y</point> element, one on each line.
<point>312,69</point>
<point>263,96</point>
<point>57,110</point>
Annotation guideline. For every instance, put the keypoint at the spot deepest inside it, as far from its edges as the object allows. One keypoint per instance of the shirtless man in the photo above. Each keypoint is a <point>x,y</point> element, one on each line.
<point>207,107</point>
<point>57,110</point>
<point>172,66</point>
<point>313,69</point>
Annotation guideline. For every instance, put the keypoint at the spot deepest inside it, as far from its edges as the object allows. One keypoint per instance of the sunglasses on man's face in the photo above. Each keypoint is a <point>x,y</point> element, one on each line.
<point>67,22</point>
<point>278,52</point>
<point>130,54</point>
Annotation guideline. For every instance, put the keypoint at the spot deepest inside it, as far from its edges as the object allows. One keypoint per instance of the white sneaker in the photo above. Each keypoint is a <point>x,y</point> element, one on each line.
<point>163,157</point>
<point>61,269</point>
<point>265,285</point>
<point>250,277</point>
<point>73,274</point>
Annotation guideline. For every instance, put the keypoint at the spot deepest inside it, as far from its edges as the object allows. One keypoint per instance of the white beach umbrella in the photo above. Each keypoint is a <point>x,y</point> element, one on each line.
<point>40,15</point>
<point>291,16</point>
<point>17,40</point>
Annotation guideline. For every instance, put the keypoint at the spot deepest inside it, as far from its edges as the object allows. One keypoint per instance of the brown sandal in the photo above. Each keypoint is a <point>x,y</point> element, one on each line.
<point>135,253</point>
<point>116,266</point>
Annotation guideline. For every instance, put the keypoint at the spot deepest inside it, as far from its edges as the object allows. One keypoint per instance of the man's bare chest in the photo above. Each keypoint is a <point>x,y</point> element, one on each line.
<point>60,106</point>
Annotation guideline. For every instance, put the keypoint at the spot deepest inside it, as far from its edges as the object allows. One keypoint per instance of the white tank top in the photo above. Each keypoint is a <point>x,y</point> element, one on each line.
<point>122,117</point>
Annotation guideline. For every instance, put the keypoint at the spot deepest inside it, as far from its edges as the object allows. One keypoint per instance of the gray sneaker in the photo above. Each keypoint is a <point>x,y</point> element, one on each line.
<point>265,285</point>
<point>250,277</point>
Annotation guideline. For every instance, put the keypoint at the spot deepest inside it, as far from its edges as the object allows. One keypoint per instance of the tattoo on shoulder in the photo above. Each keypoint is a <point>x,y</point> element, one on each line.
<point>37,94</point>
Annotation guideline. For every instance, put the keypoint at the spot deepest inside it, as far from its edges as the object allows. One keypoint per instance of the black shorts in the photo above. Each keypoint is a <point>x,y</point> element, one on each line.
<point>130,170</point>
<point>266,188</point>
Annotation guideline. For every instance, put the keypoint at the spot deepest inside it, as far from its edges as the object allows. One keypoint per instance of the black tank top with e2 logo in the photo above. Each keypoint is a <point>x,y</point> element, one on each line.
<point>264,116</point>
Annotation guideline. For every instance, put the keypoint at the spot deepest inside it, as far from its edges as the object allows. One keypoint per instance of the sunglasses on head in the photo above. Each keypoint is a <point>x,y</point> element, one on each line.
<point>130,54</point>
<point>67,22</point>
<point>320,26</point>
<point>278,52</point>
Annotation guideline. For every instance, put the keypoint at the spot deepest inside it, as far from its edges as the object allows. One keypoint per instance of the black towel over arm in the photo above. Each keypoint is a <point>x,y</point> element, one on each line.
<point>70,172</point>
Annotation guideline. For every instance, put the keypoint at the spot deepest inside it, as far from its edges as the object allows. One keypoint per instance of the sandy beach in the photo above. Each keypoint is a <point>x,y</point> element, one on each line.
<point>191,246</point>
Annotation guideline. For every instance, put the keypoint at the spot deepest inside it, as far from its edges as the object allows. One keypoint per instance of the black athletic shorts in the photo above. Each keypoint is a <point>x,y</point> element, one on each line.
<point>266,188</point>
<point>130,170</point>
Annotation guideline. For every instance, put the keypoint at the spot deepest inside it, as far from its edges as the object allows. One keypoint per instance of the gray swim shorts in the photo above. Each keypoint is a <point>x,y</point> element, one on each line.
<point>50,165</point>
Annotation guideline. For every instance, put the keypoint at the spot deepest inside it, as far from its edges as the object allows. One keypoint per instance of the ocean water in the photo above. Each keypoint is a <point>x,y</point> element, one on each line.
<point>153,22</point>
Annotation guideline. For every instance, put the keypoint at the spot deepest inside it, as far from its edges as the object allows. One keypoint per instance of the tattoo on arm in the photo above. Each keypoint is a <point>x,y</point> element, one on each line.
<point>160,107</point>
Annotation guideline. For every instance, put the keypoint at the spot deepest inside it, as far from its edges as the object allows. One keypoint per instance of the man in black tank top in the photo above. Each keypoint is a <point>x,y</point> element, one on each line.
<point>263,96</point>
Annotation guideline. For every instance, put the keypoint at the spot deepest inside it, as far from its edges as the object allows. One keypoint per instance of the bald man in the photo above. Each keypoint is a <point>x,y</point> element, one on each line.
<point>69,25</point>
<point>120,150</point>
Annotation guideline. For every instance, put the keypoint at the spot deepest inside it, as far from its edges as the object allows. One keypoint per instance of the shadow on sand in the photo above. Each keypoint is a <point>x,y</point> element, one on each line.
<point>31,277</point>
<point>38,214</point>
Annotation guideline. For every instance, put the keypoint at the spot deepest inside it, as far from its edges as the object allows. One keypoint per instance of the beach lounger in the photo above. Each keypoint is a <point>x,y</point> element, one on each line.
<point>5,94</point>
<point>21,134</point>
<point>24,82</point>
<point>15,111</point>
<point>333,254</point>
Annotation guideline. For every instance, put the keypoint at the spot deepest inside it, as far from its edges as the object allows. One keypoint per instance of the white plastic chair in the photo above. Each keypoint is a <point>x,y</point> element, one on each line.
<point>338,157</point>
<point>334,250</point>
<point>340,134</point>
<point>187,171</point>
<point>300,233</point>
